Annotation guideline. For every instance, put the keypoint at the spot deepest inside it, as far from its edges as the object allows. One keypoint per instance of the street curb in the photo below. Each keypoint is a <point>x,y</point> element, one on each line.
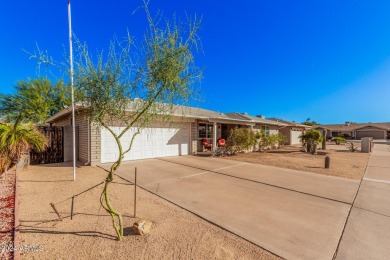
<point>16,220</point>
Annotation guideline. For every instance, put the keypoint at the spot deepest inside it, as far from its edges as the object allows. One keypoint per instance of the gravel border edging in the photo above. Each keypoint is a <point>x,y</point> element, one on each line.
<point>16,220</point>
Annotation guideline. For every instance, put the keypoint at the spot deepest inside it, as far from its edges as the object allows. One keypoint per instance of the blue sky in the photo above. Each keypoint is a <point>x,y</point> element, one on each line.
<point>327,60</point>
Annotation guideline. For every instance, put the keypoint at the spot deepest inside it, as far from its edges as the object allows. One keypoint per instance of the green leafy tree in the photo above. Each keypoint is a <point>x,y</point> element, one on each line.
<point>309,122</point>
<point>16,139</point>
<point>34,101</point>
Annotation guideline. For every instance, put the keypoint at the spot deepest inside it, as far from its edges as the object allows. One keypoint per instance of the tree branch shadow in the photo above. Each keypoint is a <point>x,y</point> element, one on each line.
<point>45,181</point>
<point>76,233</point>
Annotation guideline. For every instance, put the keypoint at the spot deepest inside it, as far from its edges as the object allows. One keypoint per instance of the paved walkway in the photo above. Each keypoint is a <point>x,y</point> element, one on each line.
<point>293,214</point>
<point>367,233</point>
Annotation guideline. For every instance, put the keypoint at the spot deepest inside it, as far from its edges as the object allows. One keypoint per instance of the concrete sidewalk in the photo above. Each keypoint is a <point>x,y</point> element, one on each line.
<point>293,214</point>
<point>367,233</point>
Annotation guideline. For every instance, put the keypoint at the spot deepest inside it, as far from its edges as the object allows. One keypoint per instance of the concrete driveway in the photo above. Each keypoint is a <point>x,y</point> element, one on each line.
<point>367,233</point>
<point>293,214</point>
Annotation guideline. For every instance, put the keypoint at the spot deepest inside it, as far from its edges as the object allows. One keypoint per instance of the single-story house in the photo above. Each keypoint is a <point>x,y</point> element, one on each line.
<point>357,131</point>
<point>291,130</point>
<point>182,136</point>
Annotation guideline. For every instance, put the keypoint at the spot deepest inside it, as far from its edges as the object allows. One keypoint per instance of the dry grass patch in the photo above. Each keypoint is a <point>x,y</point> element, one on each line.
<point>343,162</point>
<point>176,233</point>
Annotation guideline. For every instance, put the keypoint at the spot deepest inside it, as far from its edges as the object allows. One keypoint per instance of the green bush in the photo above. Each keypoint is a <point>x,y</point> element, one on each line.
<point>273,141</point>
<point>314,135</point>
<point>338,140</point>
<point>311,139</point>
<point>262,140</point>
<point>270,141</point>
<point>239,140</point>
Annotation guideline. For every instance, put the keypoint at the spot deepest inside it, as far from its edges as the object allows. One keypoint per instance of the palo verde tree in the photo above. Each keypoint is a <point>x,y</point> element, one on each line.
<point>34,101</point>
<point>136,85</point>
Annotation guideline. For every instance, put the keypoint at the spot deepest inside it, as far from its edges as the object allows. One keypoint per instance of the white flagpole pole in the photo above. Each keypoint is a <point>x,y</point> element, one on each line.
<point>71,82</point>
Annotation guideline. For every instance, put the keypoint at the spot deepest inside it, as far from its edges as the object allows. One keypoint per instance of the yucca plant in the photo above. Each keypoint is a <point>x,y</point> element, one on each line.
<point>16,139</point>
<point>352,147</point>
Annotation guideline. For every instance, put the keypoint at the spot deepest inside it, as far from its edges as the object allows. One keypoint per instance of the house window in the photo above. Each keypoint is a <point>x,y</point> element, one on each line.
<point>205,131</point>
<point>265,129</point>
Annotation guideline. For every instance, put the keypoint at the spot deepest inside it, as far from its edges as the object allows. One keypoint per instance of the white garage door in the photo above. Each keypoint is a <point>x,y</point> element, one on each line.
<point>295,137</point>
<point>151,143</point>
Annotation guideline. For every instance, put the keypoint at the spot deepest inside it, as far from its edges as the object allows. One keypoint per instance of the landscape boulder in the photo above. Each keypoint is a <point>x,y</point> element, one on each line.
<point>142,227</point>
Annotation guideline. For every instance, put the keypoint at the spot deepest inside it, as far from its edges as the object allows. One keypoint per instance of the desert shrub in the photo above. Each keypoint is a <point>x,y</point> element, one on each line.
<point>352,147</point>
<point>282,139</point>
<point>273,141</point>
<point>262,141</point>
<point>239,140</point>
<point>338,140</point>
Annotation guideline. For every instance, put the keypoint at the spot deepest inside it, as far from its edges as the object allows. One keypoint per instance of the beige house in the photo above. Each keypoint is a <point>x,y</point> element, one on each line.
<point>269,127</point>
<point>185,133</point>
<point>182,136</point>
<point>291,130</point>
<point>357,131</point>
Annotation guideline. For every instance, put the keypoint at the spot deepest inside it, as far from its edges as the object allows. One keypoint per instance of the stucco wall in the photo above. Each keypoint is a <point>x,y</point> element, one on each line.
<point>273,130</point>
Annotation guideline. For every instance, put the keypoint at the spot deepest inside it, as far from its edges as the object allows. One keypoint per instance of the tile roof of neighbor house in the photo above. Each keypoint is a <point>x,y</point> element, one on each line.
<point>352,127</point>
<point>256,119</point>
<point>289,123</point>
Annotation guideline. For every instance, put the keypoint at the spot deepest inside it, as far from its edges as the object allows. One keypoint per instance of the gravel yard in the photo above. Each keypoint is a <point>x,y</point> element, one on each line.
<point>7,206</point>
<point>344,163</point>
<point>175,234</point>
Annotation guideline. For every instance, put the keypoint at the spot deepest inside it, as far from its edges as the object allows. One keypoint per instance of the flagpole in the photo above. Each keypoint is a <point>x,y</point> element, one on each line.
<point>71,84</point>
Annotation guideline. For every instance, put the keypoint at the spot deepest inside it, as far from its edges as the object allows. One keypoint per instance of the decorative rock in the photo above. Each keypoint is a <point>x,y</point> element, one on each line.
<point>142,227</point>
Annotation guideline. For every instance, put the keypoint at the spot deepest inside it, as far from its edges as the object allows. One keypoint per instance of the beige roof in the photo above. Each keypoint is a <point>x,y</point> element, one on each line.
<point>289,123</point>
<point>254,119</point>
<point>176,110</point>
<point>352,127</point>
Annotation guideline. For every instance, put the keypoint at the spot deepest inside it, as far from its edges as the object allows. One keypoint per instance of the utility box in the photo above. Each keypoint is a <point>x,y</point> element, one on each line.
<point>366,145</point>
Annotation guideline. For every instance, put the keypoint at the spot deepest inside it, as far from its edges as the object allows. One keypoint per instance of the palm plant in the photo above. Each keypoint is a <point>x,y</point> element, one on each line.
<point>16,139</point>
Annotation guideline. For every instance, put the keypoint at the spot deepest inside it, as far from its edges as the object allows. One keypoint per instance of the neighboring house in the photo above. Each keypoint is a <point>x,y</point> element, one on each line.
<point>357,131</point>
<point>291,130</point>
<point>182,136</point>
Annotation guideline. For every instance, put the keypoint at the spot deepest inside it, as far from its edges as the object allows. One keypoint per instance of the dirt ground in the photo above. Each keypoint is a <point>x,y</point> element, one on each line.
<point>176,233</point>
<point>343,163</point>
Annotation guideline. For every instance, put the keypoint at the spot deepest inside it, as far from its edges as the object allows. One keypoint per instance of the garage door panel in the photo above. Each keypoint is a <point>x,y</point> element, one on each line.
<point>295,137</point>
<point>150,143</point>
<point>373,134</point>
